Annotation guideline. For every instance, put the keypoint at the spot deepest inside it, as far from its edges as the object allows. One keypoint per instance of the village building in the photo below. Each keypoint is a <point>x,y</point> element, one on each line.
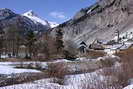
<point>83,47</point>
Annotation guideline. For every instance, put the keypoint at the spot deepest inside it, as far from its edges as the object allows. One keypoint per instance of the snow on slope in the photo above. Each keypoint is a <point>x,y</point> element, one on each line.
<point>30,14</point>
<point>53,24</point>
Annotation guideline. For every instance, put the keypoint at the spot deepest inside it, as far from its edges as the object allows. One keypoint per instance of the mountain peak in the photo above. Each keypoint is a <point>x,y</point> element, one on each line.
<point>30,13</point>
<point>53,24</point>
<point>5,9</point>
<point>36,19</point>
<point>4,13</point>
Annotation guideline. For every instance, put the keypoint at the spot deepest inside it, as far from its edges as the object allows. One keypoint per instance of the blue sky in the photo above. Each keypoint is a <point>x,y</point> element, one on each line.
<point>52,10</point>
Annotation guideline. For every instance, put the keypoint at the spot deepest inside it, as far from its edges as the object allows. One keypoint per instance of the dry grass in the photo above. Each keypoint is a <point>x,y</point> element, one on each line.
<point>126,71</point>
<point>58,72</point>
<point>121,74</point>
<point>127,61</point>
<point>16,60</point>
<point>125,54</point>
<point>106,63</point>
<point>21,78</point>
<point>95,54</point>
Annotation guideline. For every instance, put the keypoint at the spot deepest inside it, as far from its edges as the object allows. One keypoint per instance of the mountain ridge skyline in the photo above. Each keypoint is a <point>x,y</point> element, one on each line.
<point>50,10</point>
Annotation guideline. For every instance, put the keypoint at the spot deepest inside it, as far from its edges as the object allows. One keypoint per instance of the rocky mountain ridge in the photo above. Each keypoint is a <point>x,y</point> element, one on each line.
<point>99,21</point>
<point>26,21</point>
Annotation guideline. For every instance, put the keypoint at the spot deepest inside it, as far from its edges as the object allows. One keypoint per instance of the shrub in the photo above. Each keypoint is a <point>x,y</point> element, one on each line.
<point>106,63</point>
<point>68,55</point>
<point>58,72</point>
<point>127,64</point>
<point>127,60</point>
<point>70,50</point>
<point>125,70</point>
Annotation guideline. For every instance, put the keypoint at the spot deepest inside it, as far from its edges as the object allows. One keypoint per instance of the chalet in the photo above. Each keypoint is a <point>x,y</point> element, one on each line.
<point>82,47</point>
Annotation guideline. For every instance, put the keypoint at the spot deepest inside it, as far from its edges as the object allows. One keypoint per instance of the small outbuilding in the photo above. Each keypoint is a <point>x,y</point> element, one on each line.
<point>82,47</point>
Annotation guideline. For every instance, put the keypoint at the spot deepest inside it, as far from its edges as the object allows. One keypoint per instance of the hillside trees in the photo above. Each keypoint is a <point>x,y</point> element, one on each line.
<point>12,41</point>
<point>1,42</point>
<point>30,39</point>
<point>59,41</point>
<point>47,46</point>
<point>19,42</point>
<point>66,48</point>
<point>70,49</point>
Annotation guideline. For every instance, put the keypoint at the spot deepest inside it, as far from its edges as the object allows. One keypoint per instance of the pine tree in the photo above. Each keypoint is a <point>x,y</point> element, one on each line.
<point>30,39</point>
<point>59,40</point>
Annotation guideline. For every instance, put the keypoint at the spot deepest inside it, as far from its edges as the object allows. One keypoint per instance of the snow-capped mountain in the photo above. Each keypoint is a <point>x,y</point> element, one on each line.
<point>53,24</point>
<point>34,17</point>
<point>26,21</point>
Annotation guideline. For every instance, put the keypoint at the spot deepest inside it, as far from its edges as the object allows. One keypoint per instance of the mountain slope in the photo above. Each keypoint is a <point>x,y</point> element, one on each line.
<point>99,21</point>
<point>53,24</point>
<point>28,21</point>
<point>30,14</point>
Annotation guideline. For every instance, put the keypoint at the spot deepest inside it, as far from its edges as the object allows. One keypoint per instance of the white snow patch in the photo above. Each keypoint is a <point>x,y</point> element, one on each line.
<point>30,14</point>
<point>53,24</point>
<point>61,60</point>
<point>129,87</point>
<point>5,68</point>
<point>11,70</point>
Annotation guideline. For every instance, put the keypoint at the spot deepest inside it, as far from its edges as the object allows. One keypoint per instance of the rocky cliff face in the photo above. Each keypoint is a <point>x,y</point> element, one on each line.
<point>99,21</point>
